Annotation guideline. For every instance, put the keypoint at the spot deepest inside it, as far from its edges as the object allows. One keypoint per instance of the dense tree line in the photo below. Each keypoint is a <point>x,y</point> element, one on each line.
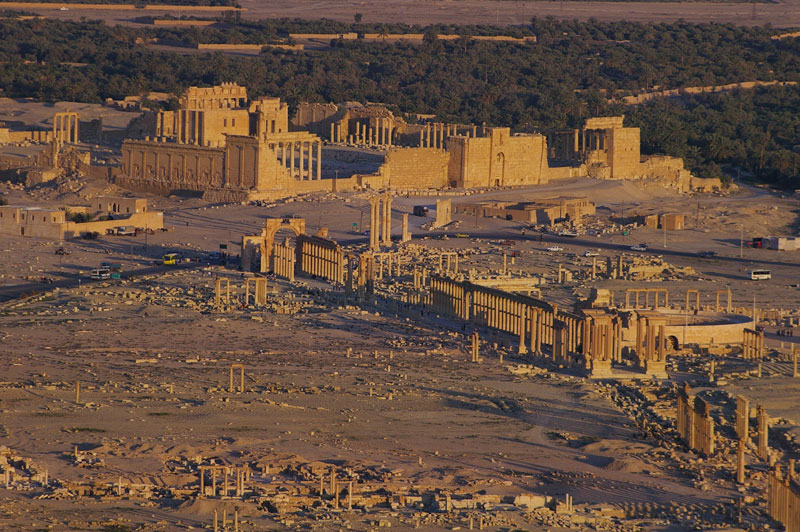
<point>572,73</point>
<point>755,132</point>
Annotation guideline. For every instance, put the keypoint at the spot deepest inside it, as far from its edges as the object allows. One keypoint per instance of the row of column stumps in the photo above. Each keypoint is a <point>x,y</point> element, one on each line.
<point>380,136</point>
<point>225,520</point>
<point>223,294</point>
<point>242,477</point>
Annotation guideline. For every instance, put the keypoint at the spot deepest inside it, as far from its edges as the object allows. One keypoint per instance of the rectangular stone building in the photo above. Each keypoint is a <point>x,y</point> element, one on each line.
<point>499,159</point>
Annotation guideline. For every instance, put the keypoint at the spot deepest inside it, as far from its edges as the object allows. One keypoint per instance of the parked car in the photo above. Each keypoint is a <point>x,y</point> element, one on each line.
<point>114,267</point>
<point>555,248</point>
<point>707,253</point>
<point>62,251</point>
<point>639,247</point>
<point>590,253</point>
<point>126,231</point>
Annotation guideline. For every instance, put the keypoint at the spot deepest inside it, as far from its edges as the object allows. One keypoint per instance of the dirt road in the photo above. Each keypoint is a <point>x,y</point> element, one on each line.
<point>500,13</point>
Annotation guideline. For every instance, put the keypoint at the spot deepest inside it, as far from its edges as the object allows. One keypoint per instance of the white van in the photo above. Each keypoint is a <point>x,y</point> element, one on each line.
<point>101,273</point>
<point>759,275</point>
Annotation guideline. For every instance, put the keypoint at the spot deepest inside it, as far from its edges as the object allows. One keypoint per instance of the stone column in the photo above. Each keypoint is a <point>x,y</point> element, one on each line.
<point>387,219</point>
<point>763,433</point>
<point>303,166</point>
<point>291,159</point>
<point>241,168</point>
<point>77,121</point>
<point>319,161</point>
<point>740,463</point>
<point>374,204</point>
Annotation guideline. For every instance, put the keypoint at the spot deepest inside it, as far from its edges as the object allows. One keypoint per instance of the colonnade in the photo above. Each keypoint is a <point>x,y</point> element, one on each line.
<point>433,135</point>
<point>602,338</point>
<point>242,476</point>
<point>321,257</point>
<point>649,347</point>
<point>65,127</point>
<point>390,260</point>
<point>752,344</point>
<point>723,293</point>
<point>783,498</point>
<point>448,261</point>
<point>284,257</point>
<point>694,422</point>
<point>646,291</point>
<point>592,140</point>
<point>380,221</point>
<point>379,135</point>
<point>188,126</point>
<point>303,158</point>
<point>532,320</point>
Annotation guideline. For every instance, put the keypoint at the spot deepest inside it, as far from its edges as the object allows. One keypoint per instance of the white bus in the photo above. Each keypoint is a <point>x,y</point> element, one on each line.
<point>759,275</point>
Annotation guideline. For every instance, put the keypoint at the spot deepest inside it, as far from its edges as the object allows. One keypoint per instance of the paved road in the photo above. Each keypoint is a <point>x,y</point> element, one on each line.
<point>14,291</point>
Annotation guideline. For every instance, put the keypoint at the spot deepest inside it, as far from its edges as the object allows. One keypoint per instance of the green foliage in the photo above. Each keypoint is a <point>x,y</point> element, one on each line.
<point>752,131</point>
<point>3,200</point>
<point>116,528</point>
<point>572,73</point>
<point>78,217</point>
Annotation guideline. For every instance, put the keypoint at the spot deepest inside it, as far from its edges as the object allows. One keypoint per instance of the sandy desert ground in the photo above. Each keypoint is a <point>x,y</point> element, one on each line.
<point>784,14</point>
<point>384,398</point>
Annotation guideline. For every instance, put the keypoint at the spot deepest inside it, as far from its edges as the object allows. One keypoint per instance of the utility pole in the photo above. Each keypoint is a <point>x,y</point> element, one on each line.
<point>741,241</point>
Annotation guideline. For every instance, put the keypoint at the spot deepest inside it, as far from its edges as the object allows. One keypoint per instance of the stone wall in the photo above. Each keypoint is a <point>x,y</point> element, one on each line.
<point>316,118</point>
<point>40,136</point>
<point>499,159</point>
<point>415,168</point>
<point>163,167</point>
<point>623,151</point>
<point>52,224</point>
